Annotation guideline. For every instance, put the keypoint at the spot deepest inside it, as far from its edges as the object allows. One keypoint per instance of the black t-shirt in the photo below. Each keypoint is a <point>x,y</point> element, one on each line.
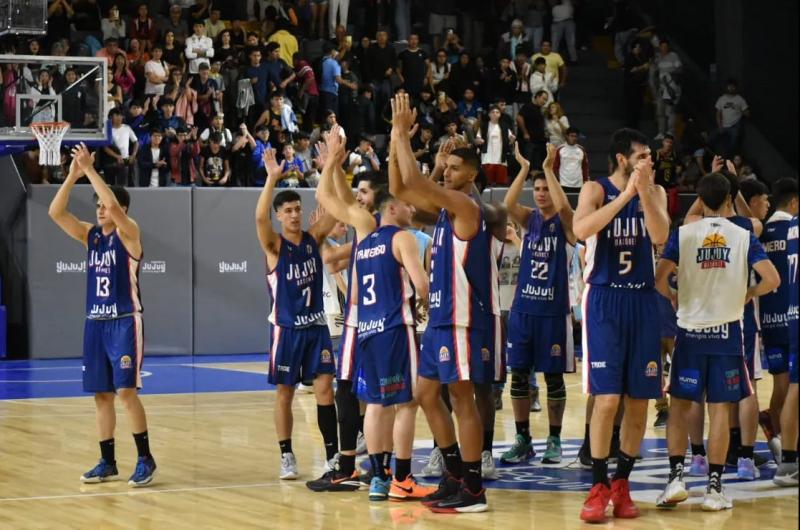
<point>665,169</point>
<point>534,121</point>
<point>379,60</point>
<point>214,163</point>
<point>417,145</point>
<point>414,69</point>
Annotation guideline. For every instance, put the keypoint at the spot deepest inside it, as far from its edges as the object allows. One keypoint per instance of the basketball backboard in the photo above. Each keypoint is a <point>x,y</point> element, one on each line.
<point>54,88</point>
<point>23,17</point>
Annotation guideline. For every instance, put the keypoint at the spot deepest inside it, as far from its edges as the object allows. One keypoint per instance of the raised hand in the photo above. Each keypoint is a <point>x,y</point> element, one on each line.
<point>521,160</point>
<point>82,157</point>
<point>322,155</point>
<point>632,189</point>
<point>316,214</point>
<point>717,164</point>
<point>403,116</point>
<point>336,142</point>
<point>445,148</point>
<point>274,170</point>
<point>551,157</point>
<point>731,168</point>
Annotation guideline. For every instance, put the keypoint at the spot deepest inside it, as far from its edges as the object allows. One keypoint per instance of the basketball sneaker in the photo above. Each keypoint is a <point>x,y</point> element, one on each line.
<point>333,463</point>
<point>776,447</point>
<point>448,486</point>
<point>335,480</point>
<point>536,405</point>
<point>699,467</point>
<point>715,500</point>
<point>409,490</point>
<point>624,508</point>
<point>661,419</point>
<point>552,455</point>
<point>746,469</point>
<point>102,472</point>
<point>594,509</point>
<point>585,456</point>
<point>675,491</point>
<point>288,467</point>
<point>144,473</point>
<point>786,475</point>
<point>379,488</point>
<point>361,444</point>
<point>464,501</point>
<point>435,464</point>
<point>521,451</point>
<point>488,469</point>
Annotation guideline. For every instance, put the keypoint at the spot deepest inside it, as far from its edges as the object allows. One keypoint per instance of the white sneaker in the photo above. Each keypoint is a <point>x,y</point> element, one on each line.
<point>361,444</point>
<point>435,465</point>
<point>288,467</point>
<point>488,469</point>
<point>775,446</point>
<point>674,493</point>
<point>786,475</point>
<point>331,464</point>
<point>715,501</point>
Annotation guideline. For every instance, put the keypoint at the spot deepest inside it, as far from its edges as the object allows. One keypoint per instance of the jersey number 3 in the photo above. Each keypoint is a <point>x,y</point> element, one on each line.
<point>369,297</point>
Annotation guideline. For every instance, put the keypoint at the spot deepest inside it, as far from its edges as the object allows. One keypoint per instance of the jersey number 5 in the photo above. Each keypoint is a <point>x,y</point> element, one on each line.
<point>625,262</point>
<point>369,297</point>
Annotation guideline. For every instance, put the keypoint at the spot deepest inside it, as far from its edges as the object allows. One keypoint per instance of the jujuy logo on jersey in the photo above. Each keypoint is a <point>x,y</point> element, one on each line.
<point>715,253</point>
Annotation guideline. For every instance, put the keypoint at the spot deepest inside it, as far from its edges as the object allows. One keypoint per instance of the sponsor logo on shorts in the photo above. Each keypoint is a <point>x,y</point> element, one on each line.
<point>325,356</point>
<point>651,370</point>
<point>732,379</point>
<point>125,362</point>
<point>688,379</point>
<point>154,267</point>
<point>598,364</point>
<point>391,385</point>
<point>485,354</point>
<point>555,350</point>
<point>70,266</point>
<point>229,267</point>
<point>283,368</point>
<point>444,354</point>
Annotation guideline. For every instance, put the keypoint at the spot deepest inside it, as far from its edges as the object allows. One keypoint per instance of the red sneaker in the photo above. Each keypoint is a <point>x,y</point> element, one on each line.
<point>594,509</point>
<point>624,508</point>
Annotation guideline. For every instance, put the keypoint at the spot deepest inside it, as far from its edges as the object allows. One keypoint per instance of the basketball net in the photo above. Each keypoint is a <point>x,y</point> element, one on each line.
<point>49,136</point>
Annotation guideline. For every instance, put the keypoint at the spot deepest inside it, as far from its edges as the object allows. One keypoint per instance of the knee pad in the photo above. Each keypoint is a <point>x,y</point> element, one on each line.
<point>556,389</point>
<point>519,384</point>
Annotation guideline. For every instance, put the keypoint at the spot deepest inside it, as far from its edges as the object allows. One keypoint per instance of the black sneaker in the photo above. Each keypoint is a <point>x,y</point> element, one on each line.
<point>498,398</point>
<point>335,481</point>
<point>448,486</point>
<point>759,460</point>
<point>661,419</point>
<point>463,501</point>
<point>585,456</point>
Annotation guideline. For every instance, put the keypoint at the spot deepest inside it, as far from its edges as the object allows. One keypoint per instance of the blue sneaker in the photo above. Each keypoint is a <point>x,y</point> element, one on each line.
<point>746,469</point>
<point>144,473</point>
<point>102,472</point>
<point>379,488</point>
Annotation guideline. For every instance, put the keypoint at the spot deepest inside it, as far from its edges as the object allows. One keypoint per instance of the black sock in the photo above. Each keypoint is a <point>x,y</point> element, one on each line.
<point>435,445</point>
<point>402,468</point>
<point>600,471</point>
<point>326,421</point>
<point>675,461</point>
<point>452,460</point>
<point>586,435</point>
<point>387,460</point>
<point>746,451</point>
<point>624,465</point>
<point>789,457</point>
<point>472,476</point>
<point>347,464</point>
<point>107,451</point>
<point>285,445</point>
<point>555,430</point>
<point>376,460</point>
<point>488,440</point>
<point>524,428</point>
<point>715,476</point>
<point>699,449</point>
<point>615,432</point>
<point>736,440</point>
<point>142,443</point>
<point>361,423</point>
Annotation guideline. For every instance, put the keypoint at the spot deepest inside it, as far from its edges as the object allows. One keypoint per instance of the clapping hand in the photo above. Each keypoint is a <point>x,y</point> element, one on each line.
<point>274,170</point>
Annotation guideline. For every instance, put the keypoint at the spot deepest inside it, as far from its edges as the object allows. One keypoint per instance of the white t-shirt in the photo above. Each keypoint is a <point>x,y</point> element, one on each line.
<point>732,107</point>
<point>195,44</point>
<point>158,68</point>
<point>562,11</point>
<point>570,168</point>
<point>494,145</point>
<point>123,136</point>
<point>154,173</point>
<point>553,130</point>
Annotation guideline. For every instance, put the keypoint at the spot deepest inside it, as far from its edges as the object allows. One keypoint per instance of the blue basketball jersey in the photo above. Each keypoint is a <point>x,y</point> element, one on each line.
<point>385,294</point>
<point>543,287</point>
<point>750,327</point>
<point>296,285</point>
<point>112,285</point>
<point>461,276</point>
<point>621,254</point>
<point>794,293</point>
<point>350,305</point>
<point>774,306</point>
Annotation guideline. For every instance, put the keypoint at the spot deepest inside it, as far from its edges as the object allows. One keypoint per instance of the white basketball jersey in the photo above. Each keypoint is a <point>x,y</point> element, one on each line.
<point>712,273</point>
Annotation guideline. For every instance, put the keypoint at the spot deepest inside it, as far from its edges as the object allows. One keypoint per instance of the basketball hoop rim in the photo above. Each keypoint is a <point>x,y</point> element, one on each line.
<point>49,124</point>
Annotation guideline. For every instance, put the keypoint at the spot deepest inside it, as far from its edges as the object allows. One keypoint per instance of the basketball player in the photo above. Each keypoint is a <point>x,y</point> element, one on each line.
<point>786,475</point>
<point>456,348</point>
<point>301,343</point>
<point>620,217</point>
<point>713,257</point>
<point>112,337</point>
<point>773,306</point>
<point>539,323</point>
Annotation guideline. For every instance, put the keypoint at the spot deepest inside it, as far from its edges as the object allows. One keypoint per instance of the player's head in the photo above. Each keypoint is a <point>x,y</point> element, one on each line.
<point>289,209</point>
<point>756,195</point>
<point>338,231</point>
<point>715,191</point>
<point>101,210</point>
<point>785,195</point>
<point>628,147</point>
<point>393,210</point>
<point>367,185</point>
<point>541,192</point>
<point>461,169</point>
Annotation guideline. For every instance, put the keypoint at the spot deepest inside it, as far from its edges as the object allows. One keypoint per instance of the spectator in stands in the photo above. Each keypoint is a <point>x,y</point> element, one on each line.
<point>199,48</point>
<point>564,26</point>
<point>86,18</point>
<point>381,62</point>
<point>664,163</point>
<point>413,67</point>
<point>348,98</point>
<point>504,81</point>
<point>73,102</point>
<point>144,28</point>
<point>636,69</point>
<point>153,161</point>
<point>572,163</point>
<point>530,123</point>
<point>168,122</point>
<point>156,72</point>
<point>110,50</point>
<point>215,167</point>
<point>453,46</point>
<point>542,79</point>
<point>522,70</point>
<point>294,170</point>
<point>319,19</point>
<point>307,92</point>
<point>442,17</point>
<point>175,24</point>
<point>451,133</point>
<point>369,158</point>
<point>463,75</point>
<point>121,154</point>
<point>123,77</point>
<point>731,108</point>
<point>439,72</point>
<point>199,10</point>
<point>287,43</point>
<point>555,65</point>
<point>59,13</point>
<point>556,124</point>
<point>259,144</point>
<point>113,26</point>
<point>173,55</point>
<point>511,40</point>
<point>331,78</point>
<point>494,141</point>
<point>209,97</point>
<point>181,161</point>
<point>422,144</point>
<point>756,195</point>
<point>623,24</point>
<point>303,151</point>
<point>263,79</point>
<point>337,15</point>
<point>668,66</point>
<point>217,127</point>
<point>214,26</point>
<point>470,112</point>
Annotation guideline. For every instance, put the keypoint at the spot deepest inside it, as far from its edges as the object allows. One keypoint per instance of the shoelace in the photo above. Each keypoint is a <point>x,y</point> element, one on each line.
<point>676,473</point>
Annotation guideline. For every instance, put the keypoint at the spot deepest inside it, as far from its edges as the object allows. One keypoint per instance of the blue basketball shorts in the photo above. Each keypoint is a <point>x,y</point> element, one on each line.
<point>300,354</point>
<point>348,358</point>
<point>621,342</point>
<point>387,367</point>
<point>777,358</point>
<point>113,351</point>
<point>542,343</point>
<point>457,353</point>
<point>710,363</point>
<point>793,366</point>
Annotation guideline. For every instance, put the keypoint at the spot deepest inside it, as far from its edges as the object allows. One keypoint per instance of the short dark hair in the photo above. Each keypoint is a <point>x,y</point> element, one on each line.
<point>114,112</point>
<point>120,193</point>
<point>622,143</point>
<point>284,197</point>
<point>203,66</point>
<point>573,130</point>
<point>215,138</point>
<point>539,93</point>
<point>538,175</point>
<point>783,191</point>
<point>733,180</point>
<point>382,198</point>
<point>752,188</point>
<point>156,130</point>
<point>375,178</point>
<point>732,81</point>
<point>538,61</point>
<point>261,127</point>
<point>713,189</point>
<point>469,156</point>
